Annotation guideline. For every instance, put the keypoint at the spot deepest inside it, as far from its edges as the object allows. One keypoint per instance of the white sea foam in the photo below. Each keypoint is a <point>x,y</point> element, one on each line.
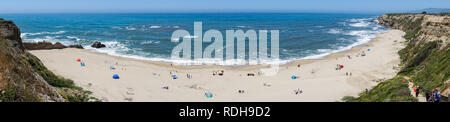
<point>149,42</point>
<point>154,27</point>
<point>360,37</point>
<point>130,28</point>
<point>51,39</point>
<point>360,24</point>
<point>364,22</point>
<point>319,26</point>
<point>40,33</point>
<point>335,31</point>
<point>74,37</point>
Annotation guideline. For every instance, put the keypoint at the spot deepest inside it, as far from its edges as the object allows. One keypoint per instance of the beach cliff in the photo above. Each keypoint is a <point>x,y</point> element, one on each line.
<point>23,77</point>
<point>425,59</point>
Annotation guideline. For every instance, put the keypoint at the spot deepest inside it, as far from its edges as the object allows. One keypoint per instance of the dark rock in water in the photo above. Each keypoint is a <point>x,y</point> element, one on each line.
<point>47,46</point>
<point>98,45</point>
<point>75,46</point>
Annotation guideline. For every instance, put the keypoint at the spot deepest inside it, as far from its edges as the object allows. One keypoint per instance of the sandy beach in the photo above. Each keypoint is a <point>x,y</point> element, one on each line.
<point>142,80</point>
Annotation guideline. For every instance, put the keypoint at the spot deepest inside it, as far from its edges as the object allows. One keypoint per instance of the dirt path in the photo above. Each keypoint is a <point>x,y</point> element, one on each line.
<point>411,89</point>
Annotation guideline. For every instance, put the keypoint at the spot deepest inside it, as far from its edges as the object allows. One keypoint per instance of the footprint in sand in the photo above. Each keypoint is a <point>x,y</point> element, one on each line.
<point>130,91</point>
<point>129,94</point>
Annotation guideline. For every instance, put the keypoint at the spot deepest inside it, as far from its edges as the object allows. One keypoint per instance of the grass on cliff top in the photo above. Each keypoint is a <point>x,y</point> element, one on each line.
<point>397,14</point>
<point>392,90</point>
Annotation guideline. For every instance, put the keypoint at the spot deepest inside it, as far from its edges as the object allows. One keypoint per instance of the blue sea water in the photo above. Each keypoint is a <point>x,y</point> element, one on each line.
<point>148,36</point>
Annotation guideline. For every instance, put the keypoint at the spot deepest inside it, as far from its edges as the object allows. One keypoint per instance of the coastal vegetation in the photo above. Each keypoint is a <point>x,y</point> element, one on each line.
<point>392,90</point>
<point>23,77</point>
<point>424,61</point>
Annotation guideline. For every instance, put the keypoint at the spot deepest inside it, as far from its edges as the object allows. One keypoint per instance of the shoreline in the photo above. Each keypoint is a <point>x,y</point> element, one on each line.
<point>62,62</point>
<point>245,66</point>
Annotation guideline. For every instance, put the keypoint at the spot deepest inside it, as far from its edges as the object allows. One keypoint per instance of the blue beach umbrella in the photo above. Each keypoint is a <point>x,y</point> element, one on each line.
<point>208,95</point>
<point>294,77</point>
<point>174,76</point>
<point>115,76</point>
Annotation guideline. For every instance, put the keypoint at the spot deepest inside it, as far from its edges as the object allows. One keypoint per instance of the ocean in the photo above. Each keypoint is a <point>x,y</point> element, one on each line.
<point>148,36</point>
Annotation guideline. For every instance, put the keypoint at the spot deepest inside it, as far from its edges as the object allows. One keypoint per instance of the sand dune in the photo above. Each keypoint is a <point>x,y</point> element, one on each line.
<point>144,80</point>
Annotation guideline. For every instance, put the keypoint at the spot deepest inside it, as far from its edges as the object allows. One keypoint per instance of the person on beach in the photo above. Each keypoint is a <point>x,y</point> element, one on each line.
<point>428,96</point>
<point>431,99</point>
<point>188,76</point>
<point>298,91</point>
<point>241,91</point>
<point>437,95</point>
<point>417,90</point>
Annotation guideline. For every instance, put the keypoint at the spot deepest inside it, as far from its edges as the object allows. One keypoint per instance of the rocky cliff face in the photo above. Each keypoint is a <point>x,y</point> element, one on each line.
<point>429,27</point>
<point>425,59</point>
<point>18,80</point>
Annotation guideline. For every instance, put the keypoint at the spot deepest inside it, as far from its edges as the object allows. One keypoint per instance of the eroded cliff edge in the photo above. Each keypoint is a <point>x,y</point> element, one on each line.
<point>425,59</point>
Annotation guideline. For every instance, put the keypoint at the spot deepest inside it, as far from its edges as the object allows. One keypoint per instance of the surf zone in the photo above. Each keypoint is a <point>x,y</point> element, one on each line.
<point>245,47</point>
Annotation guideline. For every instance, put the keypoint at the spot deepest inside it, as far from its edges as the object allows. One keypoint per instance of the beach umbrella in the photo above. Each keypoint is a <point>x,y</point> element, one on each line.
<point>174,76</point>
<point>83,64</point>
<point>368,49</point>
<point>208,95</point>
<point>294,77</point>
<point>79,60</point>
<point>115,76</point>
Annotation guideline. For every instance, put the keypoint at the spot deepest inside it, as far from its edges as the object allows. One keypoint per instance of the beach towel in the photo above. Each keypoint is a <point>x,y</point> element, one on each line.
<point>115,76</point>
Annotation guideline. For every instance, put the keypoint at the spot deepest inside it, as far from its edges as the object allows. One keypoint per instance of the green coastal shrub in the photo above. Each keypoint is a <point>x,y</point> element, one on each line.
<point>392,90</point>
<point>48,76</point>
<point>426,64</point>
<point>434,70</point>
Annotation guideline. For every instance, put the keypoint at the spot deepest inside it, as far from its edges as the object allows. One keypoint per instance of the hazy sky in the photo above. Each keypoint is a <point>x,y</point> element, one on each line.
<point>101,6</point>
